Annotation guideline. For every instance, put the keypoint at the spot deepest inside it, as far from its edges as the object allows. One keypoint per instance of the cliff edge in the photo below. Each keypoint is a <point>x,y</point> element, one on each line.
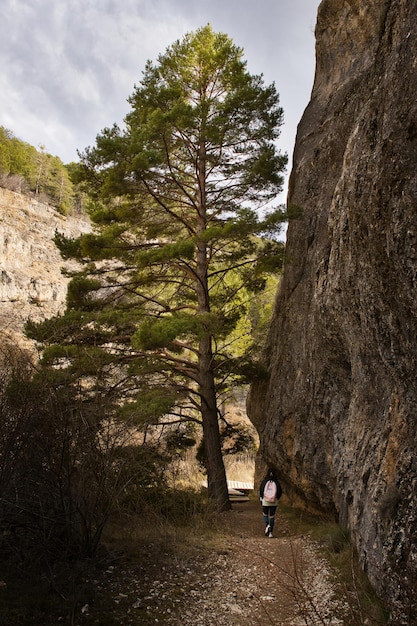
<point>31,281</point>
<point>338,415</point>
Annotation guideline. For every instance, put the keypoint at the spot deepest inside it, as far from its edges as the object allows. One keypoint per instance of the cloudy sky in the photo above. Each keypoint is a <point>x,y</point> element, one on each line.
<point>68,66</point>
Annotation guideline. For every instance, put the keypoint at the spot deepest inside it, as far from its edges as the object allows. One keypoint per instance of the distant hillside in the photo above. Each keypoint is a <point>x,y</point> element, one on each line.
<point>25,169</point>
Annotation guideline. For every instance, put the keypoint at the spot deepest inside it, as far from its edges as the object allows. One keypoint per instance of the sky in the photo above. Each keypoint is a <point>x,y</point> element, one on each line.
<point>68,66</point>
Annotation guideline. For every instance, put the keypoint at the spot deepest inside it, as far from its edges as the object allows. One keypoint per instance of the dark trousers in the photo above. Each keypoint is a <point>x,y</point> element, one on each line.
<point>269,515</point>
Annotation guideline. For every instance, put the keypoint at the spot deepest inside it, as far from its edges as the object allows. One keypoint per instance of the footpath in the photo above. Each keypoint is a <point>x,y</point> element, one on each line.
<point>241,578</point>
<point>258,581</point>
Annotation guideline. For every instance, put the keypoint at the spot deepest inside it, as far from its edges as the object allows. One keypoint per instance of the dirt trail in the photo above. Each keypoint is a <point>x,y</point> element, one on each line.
<point>258,581</point>
<point>243,579</point>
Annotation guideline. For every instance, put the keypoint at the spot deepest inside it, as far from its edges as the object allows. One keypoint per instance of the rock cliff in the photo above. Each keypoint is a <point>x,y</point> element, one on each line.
<point>338,415</point>
<point>31,282</point>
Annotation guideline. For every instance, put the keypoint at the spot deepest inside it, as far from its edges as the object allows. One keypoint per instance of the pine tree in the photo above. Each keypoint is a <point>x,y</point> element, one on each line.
<point>180,199</point>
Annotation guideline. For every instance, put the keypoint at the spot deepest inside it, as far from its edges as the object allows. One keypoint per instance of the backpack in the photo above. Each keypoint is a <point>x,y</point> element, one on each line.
<point>271,491</point>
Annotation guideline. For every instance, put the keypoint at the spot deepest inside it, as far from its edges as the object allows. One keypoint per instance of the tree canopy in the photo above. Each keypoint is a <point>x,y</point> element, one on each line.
<point>186,233</point>
<point>25,169</point>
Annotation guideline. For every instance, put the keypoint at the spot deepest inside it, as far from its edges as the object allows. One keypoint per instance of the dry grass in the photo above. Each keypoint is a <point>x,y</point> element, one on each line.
<point>240,467</point>
<point>185,472</point>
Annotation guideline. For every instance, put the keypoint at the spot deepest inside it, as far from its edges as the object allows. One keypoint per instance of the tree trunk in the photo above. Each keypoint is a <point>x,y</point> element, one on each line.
<point>216,474</point>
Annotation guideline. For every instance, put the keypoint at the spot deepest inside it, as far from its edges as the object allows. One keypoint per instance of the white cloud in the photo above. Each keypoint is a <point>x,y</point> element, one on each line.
<point>68,66</point>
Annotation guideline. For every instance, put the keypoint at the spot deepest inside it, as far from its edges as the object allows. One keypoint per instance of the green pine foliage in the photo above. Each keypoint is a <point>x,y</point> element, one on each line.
<point>25,169</point>
<point>186,236</point>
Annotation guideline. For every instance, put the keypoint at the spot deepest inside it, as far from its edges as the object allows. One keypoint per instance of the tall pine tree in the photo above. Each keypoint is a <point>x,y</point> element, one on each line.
<point>180,199</point>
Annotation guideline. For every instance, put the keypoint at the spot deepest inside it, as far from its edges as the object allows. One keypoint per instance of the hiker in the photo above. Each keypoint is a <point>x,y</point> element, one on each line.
<point>269,493</point>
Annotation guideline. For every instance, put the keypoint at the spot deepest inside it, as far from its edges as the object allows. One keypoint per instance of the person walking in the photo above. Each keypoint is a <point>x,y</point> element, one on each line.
<point>270,492</point>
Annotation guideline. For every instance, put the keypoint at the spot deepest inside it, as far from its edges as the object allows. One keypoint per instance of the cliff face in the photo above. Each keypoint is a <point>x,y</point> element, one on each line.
<point>31,282</point>
<point>338,415</point>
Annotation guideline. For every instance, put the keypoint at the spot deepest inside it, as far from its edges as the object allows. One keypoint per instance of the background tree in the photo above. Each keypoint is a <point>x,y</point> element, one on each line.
<point>25,169</point>
<point>184,237</point>
<point>17,162</point>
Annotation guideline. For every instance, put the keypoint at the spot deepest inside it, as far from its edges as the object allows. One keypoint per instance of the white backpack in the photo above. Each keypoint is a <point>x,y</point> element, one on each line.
<point>270,491</point>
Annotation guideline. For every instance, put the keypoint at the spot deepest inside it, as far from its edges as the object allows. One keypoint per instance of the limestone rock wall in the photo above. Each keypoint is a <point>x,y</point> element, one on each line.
<point>31,282</point>
<point>338,415</point>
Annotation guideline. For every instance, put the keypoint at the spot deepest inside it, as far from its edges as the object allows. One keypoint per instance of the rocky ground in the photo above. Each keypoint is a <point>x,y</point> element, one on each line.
<point>241,578</point>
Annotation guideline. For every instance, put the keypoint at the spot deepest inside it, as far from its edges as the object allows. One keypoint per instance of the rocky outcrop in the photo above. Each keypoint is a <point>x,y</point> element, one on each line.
<point>31,282</point>
<point>338,415</point>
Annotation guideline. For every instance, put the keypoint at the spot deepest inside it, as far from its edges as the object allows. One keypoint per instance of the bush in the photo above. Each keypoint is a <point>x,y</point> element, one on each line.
<point>65,465</point>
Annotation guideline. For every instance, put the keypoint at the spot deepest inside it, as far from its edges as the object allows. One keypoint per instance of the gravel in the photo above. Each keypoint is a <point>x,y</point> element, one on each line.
<point>242,579</point>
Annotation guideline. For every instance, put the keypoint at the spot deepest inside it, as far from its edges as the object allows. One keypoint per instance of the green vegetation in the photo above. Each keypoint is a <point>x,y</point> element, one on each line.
<point>158,327</point>
<point>25,169</point>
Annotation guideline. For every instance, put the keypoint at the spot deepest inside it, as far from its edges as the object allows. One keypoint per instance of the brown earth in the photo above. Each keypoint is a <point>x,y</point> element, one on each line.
<point>238,578</point>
